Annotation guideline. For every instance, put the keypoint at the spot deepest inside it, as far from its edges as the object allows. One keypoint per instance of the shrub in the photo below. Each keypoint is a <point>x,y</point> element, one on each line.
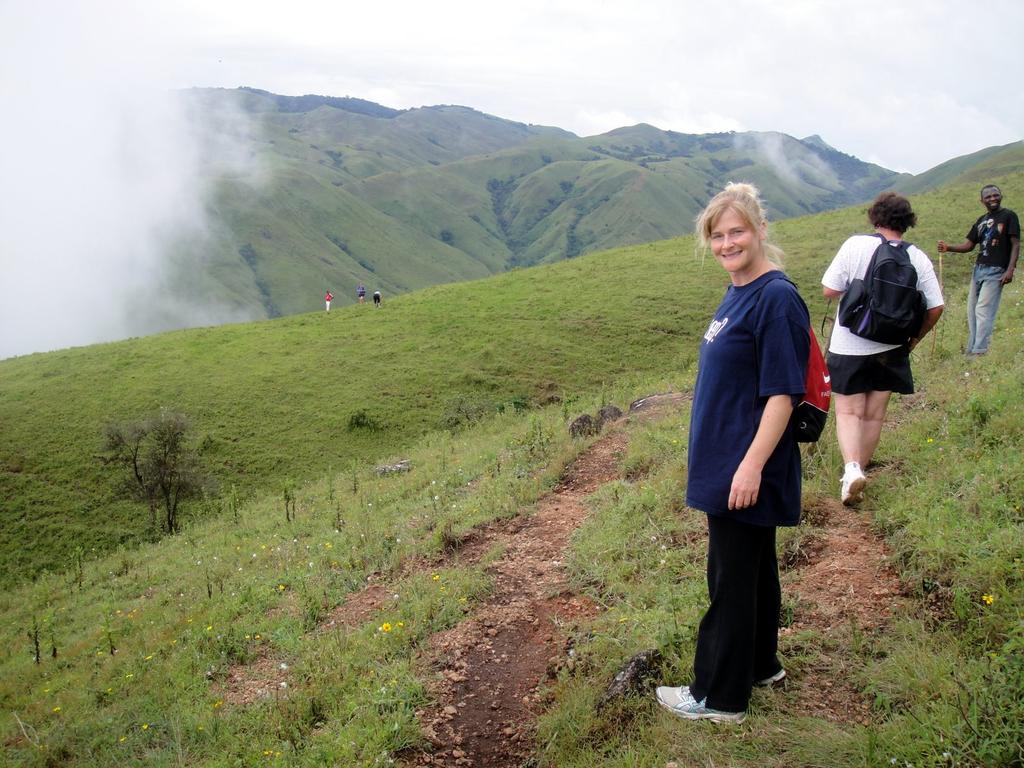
<point>362,419</point>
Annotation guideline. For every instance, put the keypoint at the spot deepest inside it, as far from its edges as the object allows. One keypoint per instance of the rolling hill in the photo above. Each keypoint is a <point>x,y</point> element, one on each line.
<point>293,398</point>
<point>336,191</point>
<point>977,166</point>
<point>257,638</point>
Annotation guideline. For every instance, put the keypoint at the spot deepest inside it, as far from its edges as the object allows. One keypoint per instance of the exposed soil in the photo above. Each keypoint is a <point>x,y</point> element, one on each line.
<point>490,665</point>
<point>846,590</point>
<point>263,678</point>
<point>485,672</point>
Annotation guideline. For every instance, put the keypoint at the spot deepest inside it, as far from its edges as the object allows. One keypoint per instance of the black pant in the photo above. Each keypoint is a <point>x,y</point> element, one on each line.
<point>738,636</point>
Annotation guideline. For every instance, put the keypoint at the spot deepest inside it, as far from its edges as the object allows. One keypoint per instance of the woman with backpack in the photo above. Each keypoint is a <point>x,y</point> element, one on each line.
<point>865,370</point>
<point>743,464</point>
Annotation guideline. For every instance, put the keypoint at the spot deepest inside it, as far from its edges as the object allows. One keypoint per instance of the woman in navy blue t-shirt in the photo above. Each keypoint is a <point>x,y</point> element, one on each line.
<point>743,461</point>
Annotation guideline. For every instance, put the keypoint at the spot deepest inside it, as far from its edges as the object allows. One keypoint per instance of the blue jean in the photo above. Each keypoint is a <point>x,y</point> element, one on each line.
<point>982,305</point>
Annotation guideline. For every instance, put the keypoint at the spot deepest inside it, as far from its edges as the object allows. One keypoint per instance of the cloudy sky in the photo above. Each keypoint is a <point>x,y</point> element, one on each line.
<point>98,167</point>
<point>906,84</point>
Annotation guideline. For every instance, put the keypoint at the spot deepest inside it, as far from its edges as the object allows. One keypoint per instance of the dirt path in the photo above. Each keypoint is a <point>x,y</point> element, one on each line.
<point>846,590</point>
<point>485,671</point>
<point>488,668</point>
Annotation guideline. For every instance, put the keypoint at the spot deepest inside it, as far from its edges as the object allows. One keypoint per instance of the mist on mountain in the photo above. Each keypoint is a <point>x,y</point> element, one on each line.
<point>104,185</point>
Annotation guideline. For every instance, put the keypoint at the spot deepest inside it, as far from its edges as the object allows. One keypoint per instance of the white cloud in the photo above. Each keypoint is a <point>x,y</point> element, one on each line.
<point>103,161</point>
<point>105,176</point>
<point>796,66</point>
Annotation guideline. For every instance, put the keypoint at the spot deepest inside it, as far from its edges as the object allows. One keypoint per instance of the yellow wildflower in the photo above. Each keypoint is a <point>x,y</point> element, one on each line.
<point>988,599</point>
<point>385,627</point>
<point>56,710</point>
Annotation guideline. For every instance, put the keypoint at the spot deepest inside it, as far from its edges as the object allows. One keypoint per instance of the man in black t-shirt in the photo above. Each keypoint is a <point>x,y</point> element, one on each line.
<point>997,231</point>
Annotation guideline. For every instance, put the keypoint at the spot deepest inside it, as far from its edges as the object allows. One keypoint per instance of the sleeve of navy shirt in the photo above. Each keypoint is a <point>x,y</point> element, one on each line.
<point>755,347</point>
<point>783,341</point>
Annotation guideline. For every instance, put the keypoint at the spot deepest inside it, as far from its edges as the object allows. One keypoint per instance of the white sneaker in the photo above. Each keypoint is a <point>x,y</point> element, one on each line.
<point>852,487</point>
<point>670,698</point>
<point>680,702</point>
<point>777,677</point>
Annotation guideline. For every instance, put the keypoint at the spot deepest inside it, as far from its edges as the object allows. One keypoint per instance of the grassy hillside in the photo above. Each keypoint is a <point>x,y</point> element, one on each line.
<point>421,362</point>
<point>136,647</point>
<point>274,400</point>
<point>341,191</point>
<point>977,167</point>
<point>337,192</point>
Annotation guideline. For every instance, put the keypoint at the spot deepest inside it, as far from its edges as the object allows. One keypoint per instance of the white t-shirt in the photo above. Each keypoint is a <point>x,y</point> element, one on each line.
<point>851,263</point>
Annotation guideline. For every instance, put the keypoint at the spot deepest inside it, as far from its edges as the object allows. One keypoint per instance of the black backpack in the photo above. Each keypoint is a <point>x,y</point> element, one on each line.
<point>885,306</point>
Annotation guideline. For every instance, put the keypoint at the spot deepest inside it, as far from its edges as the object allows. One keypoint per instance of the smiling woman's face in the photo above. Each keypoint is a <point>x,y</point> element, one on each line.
<point>738,247</point>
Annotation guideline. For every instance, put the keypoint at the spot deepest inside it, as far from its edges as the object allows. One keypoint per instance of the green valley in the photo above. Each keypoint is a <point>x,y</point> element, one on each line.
<point>120,647</point>
<point>328,193</point>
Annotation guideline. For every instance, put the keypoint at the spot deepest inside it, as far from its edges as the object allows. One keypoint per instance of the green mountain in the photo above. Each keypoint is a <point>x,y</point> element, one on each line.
<point>298,397</point>
<point>338,191</point>
<point>320,638</point>
<point>978,167</point>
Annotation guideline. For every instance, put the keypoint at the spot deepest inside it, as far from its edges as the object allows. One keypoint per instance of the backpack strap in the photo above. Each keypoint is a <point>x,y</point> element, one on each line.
<point>783,276</point>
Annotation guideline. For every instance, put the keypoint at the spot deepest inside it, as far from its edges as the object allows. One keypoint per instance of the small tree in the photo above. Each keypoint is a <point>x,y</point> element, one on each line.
<point>162,467</point>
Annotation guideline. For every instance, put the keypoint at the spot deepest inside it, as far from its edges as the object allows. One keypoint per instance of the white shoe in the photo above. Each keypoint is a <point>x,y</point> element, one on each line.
<point>777,677</point>
<point>670,698</point>
<point>680,702</point>
<point>852,487</point>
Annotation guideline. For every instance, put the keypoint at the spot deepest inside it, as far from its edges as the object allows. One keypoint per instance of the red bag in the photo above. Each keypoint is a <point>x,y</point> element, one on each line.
<point>811,412</point>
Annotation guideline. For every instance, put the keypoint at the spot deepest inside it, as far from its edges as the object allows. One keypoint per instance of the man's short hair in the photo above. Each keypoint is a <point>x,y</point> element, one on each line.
<point>990,186</point>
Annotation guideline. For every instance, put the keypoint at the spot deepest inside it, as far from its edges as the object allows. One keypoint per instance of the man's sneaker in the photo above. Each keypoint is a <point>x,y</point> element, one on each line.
<point>781,674</point>
<point>853,485</point>
<point>680,702</point>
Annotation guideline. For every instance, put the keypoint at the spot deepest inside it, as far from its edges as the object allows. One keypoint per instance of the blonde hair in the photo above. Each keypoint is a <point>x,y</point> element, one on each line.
<point>745,200</point>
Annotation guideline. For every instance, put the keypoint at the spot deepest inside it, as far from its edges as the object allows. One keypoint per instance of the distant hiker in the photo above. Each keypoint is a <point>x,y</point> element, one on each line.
<point>327,300</point>
<point>998,233</point>
<point>865,373</point>
<point>361,293</point>
<point>376,298</point>
<point>743,461</point>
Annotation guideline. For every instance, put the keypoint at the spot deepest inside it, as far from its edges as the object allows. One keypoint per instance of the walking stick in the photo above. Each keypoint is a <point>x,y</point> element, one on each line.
<point>942,287</point>
<point>827,318</point>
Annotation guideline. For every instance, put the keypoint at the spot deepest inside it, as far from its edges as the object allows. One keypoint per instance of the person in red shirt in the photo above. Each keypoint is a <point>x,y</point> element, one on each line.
<point>327,300</point>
